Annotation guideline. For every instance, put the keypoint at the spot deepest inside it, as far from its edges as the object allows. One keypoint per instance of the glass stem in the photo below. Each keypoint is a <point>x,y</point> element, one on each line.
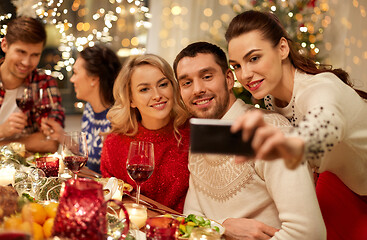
<point>138,193</point>
<point>75,176</point>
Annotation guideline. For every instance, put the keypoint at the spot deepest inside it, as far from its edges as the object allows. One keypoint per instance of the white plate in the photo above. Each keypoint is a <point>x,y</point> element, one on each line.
<point>220,226</point>
<point>213,224</point>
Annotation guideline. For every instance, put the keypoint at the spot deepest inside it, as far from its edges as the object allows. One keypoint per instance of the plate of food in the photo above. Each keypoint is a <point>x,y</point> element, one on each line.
<point>187,224</point>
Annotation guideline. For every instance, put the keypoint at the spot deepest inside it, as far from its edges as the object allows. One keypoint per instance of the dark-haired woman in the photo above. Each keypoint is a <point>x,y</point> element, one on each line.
<point>328,115</point>
<point>94,74</point>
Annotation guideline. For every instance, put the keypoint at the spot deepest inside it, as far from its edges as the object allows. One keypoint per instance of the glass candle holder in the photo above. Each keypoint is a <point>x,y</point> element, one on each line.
<point>82,211</point>
<point>137,214</point>
<point>49,165</point>
<point>162,228</point>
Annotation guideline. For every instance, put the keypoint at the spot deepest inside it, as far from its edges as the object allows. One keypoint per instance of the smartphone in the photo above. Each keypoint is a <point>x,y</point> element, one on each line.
<point>214,136</point>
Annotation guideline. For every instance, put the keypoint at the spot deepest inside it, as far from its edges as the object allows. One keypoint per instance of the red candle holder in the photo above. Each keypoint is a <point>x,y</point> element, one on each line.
<point>161,228</point>
<point>81,214</point>
<point>49,165</point>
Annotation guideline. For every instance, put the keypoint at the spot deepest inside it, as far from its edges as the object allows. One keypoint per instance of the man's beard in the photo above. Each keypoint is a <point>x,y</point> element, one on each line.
<point>215,112</point>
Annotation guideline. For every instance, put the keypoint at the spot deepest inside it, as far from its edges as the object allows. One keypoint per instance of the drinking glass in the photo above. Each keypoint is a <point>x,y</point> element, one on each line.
<point>44,104</point>
<point>49,165</point>
<point>26,101</point>
<point>140,163</point>
<point>75,151</point>
<point>161,227</point>
<point>137,214</point>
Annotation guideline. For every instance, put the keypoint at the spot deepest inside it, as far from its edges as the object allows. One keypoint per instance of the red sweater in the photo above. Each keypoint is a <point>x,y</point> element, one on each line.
<point>170,180</point>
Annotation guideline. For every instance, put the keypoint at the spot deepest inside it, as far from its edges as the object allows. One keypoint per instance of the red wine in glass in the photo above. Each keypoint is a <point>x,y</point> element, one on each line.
<point>75,163</point>
<point>140,173</point>
<point>24,104</point>
<point>75,151</point>
<point>44,110</point>
<point>140,163</point>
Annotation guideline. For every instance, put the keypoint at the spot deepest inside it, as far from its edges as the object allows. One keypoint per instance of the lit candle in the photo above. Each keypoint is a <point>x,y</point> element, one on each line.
<point>137,214</point>
<point>7,176</point>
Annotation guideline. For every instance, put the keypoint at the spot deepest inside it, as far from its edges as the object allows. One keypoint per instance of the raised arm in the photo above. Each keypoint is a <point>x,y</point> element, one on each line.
<point>269,142</point>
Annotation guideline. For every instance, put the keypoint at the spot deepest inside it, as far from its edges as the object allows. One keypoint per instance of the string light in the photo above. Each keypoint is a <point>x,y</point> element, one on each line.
<point>56,13</point>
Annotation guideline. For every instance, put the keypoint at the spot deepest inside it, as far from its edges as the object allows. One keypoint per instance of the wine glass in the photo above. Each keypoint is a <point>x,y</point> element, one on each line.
<point>140,163</point>
<point>44,104</point>
<point>26,101</point>
<point>75,151</point>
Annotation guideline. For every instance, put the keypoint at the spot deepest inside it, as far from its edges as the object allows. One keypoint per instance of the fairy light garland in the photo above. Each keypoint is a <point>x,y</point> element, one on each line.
<point>4,17</point>
<point>76,36</point>
<point>87,35</point>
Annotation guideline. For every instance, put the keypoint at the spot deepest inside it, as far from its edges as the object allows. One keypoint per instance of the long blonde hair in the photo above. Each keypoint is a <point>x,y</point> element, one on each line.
<point>124,119</point>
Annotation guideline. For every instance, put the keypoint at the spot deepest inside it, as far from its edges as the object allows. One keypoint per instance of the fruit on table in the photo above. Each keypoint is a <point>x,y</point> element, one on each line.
<point>37,231</point>
<point>47,227</point>
<point>51,209</point>
<point>36,211</point>
<point>34,218</point>
<point>13,222</point>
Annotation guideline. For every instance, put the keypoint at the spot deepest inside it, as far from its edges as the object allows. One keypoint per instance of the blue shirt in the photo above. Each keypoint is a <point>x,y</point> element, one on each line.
<point>94,124</point>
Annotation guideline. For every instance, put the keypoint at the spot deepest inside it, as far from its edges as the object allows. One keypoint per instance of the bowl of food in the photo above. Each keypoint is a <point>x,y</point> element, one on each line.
<point>192,221</point>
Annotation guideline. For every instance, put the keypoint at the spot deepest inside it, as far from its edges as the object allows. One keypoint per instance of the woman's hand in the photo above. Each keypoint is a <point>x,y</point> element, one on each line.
<point>269,142</point>
<point>53,129</point>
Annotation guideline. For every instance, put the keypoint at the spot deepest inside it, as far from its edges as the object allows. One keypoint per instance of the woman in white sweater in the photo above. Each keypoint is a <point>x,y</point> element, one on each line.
<point>328,115</point>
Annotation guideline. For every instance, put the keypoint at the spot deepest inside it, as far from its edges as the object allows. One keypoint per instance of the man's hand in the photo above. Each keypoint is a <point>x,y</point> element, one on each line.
<point>13,125</point>
<point>249,229</point>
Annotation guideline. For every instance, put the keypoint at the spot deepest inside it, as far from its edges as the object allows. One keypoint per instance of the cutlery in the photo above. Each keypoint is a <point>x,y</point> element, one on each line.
<point>152,206</point>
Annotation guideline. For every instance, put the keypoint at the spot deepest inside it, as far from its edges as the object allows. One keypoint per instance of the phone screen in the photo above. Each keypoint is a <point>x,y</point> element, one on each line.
<point>214,136</point>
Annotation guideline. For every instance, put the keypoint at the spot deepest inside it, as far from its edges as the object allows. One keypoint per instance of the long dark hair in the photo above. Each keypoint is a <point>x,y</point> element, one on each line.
<point>271,28</point>
<point>102,62</point>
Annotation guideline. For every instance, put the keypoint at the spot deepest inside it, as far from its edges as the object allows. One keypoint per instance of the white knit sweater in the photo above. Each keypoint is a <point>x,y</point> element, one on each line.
<point>263,190</point>
<point>332,119</point>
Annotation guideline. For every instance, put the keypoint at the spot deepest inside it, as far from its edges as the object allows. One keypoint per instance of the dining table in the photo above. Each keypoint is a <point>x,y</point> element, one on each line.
<point>153,208</point>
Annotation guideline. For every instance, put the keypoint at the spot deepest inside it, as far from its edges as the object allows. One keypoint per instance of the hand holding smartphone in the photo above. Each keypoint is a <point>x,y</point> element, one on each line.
<point>214,136</point>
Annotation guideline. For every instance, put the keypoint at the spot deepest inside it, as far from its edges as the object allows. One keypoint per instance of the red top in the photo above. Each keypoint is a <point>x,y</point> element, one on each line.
<point>170,180</point>
<point>344,212</point>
